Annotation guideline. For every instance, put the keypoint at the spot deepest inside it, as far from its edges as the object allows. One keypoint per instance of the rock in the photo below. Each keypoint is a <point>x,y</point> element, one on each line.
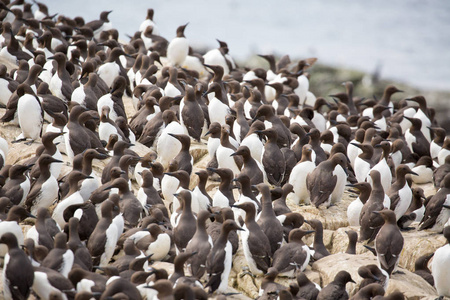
<point>340,241</point>
<point>312,275</point>
<point>164,265</point>
<point>428,188</point>
<point>332,218</point>
<point>418,243</point>
<point>412,285</point>
<point>198,150</point>
<point>9,65</point>
<point>244,283</point>
<point>327,237</point>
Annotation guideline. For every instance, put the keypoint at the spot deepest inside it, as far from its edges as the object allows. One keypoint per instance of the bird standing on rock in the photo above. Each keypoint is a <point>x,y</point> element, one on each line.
<point>251,167</point>
<point>178,48</point>
<point>191,115</point>
<point>45,189</point>
<point>255,243</point>
<point>167,146</point>
<point>437,211</point>
<point>30,114</point>
<point>224,153</point>
<point>389,242</point>
<point>18,274</point>
<point>273,159</point>
<point>185,228</point>
<point>267,219</point>
<point>299,174</point>
<point>202,243</point>
<point>218,264</point>
<point>370,222</point>
<point>354,208</point>
<point>400,192</point>
<point>294,255</point>
<point>103,239</point>
<point>321,181</point>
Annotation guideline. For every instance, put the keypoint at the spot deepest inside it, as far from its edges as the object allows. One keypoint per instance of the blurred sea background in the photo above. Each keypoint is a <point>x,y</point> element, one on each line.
<point>406,41</point>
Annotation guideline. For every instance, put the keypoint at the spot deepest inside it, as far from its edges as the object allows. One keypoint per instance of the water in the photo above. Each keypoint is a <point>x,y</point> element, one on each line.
<point>407,40</point>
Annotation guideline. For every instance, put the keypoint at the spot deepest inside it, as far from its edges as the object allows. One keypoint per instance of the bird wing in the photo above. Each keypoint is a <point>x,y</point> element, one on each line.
<point>279,258</point>
<point>14,193</point>
<point>32,196</point>
<point>421,149</point>
<point>320,190</point>
<point>79,142</point>
<point>395,199</point>
<point>279,165</point>
<point>389,249</point>
<point>333,291</point>
<point>261,255</point>
<point>197,120</point>
<point>215,267</point>
<point>19,261</point>
<point>296,259</point>
<point>432,211</point>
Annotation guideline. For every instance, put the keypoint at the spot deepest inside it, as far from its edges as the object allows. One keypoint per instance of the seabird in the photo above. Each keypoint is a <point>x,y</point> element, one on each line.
<point>388,242</point>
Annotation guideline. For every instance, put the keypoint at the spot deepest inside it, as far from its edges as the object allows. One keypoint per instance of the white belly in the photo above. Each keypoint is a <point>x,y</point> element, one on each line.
<point>26,189</point>
<point>73,199</point>
<point>13,227</point>
<point>220,200</point>
<point>353,152</point>
<point>227,268</point>
<point>49,192</point>
<point>177,50</point>
<point>168,147</point>
<point>171,91</point>
<point>199,201</point>
<point>108,72</point>
<point>405,200</point>
<point>410,139</point>
<point>43,288</point>
<point>386,175</point>
<point>88,186</point>
<point>225,160</point>
<point>105,130</point>
<point>354,211</point>
<point>78,95</point>
<point>434,149</point>
<point>425,175</point>
<point>5,93</point>
<point>336,195</point>
<point>362,169</point>
<point>248,255</point>
<point>298,181</point>
<point>441,270</point>
<point>30,117</point>
<point>111,241</point>
<point>397,158</point>
<point>213,144</point>
<point>255,145</point>
<point>169,185</point>
<point>217,111</point>
<point>443,153</point>
<point>159,248</point>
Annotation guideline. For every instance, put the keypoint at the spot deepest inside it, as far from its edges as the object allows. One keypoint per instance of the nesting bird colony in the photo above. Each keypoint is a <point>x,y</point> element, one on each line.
<point>144,170</point>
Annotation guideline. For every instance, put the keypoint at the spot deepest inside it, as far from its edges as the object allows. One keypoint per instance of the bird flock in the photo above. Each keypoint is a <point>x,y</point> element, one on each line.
<point>83,95</point>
